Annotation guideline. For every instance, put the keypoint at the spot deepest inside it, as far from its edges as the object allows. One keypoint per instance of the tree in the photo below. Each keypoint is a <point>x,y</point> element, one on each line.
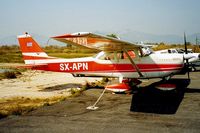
<point>113,36</point>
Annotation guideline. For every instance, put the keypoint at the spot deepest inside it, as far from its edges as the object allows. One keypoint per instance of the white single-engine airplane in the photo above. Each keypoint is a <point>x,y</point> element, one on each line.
<point>116,58</point>
<point>195,57</point>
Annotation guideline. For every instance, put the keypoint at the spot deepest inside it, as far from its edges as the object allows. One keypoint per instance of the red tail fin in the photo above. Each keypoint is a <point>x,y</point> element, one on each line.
<point>28,44</point>
<point>30,49</point>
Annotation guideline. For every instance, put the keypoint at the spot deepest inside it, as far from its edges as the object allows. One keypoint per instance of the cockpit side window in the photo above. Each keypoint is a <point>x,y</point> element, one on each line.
<point>131,54</point>
<point>107,56</point>
<point>118,55</point>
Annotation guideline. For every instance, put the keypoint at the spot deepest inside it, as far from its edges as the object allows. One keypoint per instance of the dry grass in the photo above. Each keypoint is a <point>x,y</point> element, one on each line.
<point>161,46</point>
<point>97,84</point>
<point>10,72</point>
<point>21,105</point>
<point>12,54</point>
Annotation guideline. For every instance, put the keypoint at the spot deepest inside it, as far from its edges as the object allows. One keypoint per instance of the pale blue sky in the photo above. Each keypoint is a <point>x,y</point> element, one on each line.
<point>52,17</point>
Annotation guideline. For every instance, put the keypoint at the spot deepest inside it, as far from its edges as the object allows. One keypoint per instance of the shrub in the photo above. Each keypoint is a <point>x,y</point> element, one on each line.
<point>10,75</point>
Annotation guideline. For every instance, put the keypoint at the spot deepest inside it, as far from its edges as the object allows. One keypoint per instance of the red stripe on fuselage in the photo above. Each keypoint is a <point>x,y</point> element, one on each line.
<point>72,67</point>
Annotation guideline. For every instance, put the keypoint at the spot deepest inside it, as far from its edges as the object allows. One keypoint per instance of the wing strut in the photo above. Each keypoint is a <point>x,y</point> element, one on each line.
<point>133,63</point>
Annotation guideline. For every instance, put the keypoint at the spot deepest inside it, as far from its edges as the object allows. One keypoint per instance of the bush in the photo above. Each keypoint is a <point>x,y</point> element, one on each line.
<point>10,75</point>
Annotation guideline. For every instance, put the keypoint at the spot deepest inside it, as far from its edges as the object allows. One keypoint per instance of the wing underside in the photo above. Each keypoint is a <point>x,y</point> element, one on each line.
<point>95,41</point>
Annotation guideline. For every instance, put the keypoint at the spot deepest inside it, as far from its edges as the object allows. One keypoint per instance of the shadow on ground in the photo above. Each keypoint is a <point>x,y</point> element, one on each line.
<point>151,100</point>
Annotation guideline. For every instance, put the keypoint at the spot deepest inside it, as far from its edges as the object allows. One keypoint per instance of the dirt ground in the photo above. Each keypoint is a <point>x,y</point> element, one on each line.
<point>32,83</point>
<point>146,110</point>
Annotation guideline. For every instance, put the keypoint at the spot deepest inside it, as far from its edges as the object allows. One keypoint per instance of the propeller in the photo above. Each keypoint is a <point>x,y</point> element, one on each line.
<point>186,52</point>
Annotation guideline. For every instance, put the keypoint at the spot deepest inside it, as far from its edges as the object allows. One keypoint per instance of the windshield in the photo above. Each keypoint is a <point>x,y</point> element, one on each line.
<point>146,51</point>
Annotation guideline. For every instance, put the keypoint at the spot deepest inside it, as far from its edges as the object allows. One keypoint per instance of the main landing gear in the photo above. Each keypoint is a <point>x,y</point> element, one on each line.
<point>124,87</point>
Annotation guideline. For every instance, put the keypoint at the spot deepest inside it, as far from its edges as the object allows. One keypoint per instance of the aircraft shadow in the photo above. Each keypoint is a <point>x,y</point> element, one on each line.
<point>192,90</point>
<point>151,100</point>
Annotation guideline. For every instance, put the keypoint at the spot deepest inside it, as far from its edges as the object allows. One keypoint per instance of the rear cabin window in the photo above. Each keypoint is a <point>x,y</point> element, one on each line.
<point>115,55</point>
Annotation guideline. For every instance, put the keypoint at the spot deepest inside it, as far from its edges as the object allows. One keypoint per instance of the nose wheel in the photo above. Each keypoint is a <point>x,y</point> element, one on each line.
<point>167,78</point>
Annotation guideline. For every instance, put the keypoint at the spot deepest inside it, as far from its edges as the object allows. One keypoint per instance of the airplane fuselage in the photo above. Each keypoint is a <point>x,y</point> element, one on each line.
<point>151,66</point>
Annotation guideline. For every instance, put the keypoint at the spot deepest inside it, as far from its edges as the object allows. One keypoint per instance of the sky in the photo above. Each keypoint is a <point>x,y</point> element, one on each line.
<point>55,17</point>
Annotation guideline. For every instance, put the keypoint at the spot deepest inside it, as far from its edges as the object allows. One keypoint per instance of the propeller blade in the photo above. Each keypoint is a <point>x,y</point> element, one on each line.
<point>186,52</point>
<point>185,43</point>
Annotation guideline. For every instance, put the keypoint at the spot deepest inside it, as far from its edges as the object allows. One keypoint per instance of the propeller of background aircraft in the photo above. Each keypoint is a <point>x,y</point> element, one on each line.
<point>186,52</point>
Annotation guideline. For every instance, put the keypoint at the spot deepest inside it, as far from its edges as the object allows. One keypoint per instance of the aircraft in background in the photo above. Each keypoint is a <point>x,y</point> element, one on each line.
<point>194,61</point>
<point>116,58</point>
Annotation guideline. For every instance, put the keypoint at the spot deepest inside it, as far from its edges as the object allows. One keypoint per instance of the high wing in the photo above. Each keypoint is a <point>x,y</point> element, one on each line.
<point>100,42</point>
<point>95,41</point>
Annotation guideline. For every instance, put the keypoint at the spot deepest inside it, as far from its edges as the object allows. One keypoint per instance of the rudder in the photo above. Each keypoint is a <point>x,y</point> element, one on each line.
<point>30,49</point>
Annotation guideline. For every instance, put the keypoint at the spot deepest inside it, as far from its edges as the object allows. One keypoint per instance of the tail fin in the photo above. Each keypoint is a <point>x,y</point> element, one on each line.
<point>30,49</point>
